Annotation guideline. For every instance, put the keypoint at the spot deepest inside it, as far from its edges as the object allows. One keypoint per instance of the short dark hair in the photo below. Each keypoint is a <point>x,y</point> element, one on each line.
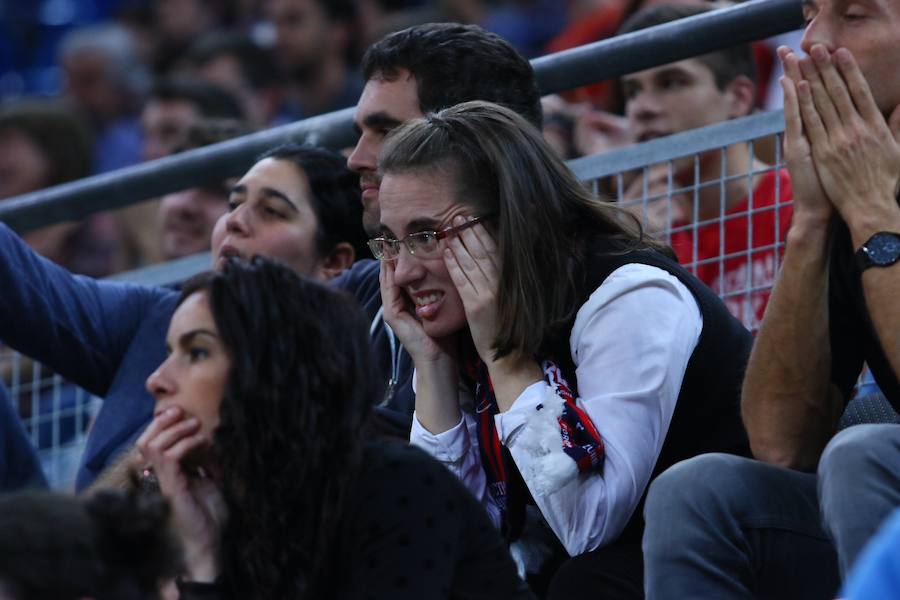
<point>210,100</point>
<point>257,65</point>
<point>336,197</point>
<point>726,64</point>
<point>455,63</point>
<point>61,136</point>
<point>290,437</point>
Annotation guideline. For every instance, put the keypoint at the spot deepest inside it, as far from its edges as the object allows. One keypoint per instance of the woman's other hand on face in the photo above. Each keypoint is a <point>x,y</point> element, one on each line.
<point>198,509</point>
<point>471,259</point>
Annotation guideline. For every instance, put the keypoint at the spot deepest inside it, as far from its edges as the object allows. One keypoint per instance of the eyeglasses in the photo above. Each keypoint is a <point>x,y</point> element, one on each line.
<point>424,244</point>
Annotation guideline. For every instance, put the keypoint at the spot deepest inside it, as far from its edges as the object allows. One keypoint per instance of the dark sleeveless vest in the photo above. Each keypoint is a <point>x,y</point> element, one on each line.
<point>707,415</point>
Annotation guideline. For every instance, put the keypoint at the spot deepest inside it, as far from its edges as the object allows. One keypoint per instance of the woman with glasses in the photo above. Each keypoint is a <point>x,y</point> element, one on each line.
<point>562,359</point>
<point>258,443</point>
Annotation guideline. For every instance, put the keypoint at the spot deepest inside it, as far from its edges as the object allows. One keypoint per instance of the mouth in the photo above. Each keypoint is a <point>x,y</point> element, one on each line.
<point>369,187</point>
<point>427,304</point>
<point>228,251</point>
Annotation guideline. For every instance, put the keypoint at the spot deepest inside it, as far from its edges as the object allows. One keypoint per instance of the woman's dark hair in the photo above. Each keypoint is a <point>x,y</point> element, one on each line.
<point>110,546</point>
<point>544,217</point>
<point>336,198</point>
<point>289,440</point>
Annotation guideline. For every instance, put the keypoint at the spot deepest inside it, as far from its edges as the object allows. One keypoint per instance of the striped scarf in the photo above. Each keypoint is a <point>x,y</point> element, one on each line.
<point>580,441</point>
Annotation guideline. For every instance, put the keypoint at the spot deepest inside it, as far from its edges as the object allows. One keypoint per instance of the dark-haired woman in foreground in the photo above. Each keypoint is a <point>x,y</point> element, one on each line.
<point>257,441</point>
<point>586,359</point>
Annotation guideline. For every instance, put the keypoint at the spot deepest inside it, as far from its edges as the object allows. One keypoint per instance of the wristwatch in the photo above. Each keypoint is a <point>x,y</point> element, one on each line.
<point>881,250</point>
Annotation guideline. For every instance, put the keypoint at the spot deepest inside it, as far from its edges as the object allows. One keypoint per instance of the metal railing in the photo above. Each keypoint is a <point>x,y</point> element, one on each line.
<point>57,412</point>
<point>692,36</point>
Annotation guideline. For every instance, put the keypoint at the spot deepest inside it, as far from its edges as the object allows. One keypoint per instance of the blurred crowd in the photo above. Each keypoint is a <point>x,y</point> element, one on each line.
<point>89,87</point>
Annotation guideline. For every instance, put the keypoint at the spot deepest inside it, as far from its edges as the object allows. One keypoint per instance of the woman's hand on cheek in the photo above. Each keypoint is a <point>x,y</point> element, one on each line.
<point>471,259</point>
<point>197,506</point>
<point>404,323</point>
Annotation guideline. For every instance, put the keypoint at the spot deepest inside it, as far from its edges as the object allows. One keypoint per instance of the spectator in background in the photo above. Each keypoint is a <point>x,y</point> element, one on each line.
<point>237,64</point>
<point>42,144</point>
<point>313,42</point>
<point>104,77</point>
<point>694,93</point>
<point>111,546</point>
<point>187,217</point>
<point>177,25</point>
<point>171,108</point>
<point>728,527</point>
<point>173,105</point>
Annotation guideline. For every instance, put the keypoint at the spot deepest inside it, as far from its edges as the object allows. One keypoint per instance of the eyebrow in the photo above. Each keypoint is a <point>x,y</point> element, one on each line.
<point>414,226</point>
<point>380,119</point>
<point>185,339</point>
<point>268,193</point>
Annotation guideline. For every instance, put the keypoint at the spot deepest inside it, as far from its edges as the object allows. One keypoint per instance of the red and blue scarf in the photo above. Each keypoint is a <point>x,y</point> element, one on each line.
<point>580,441</point>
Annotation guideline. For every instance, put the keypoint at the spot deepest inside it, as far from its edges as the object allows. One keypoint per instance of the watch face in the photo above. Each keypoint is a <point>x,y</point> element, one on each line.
<point>883,248</point>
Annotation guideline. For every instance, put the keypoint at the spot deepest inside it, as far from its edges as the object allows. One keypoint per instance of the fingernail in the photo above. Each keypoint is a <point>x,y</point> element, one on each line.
<point>459,220</point>
<point>171,411</point>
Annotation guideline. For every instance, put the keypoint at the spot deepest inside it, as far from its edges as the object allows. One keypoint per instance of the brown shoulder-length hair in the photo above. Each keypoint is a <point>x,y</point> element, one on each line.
<point>543,217</point>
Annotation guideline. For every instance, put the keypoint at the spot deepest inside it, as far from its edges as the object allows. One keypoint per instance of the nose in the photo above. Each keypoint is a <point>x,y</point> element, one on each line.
<point>407,268</point>
<point>238,220</point>
<point>160,384</point>
<point>818,31</point>
<point>364,156</point>
<point>644,106</point>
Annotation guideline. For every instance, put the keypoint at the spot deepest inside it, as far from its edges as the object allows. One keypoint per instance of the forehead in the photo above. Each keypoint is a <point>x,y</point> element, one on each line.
<point>275,171</point>
<point>396,98</point>
<point>193,313</point>
<point>409,198</point>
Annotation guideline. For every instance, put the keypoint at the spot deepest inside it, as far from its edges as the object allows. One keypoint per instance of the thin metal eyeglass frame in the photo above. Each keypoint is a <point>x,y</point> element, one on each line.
<point>439,235</point>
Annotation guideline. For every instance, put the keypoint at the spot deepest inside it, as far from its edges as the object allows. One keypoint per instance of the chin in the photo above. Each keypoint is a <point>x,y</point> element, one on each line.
<point>443,328</point>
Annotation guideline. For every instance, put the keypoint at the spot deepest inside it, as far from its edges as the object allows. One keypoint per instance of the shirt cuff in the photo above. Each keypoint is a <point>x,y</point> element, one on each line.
<point>449,446</point>
<point>511,422</point>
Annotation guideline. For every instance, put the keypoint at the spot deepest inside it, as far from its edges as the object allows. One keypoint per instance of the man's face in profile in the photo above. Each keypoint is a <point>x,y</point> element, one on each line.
<point>870,30</point>
<point>384,105</point>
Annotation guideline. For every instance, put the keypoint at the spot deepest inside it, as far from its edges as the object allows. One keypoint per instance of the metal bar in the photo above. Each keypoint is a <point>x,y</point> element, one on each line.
<point>643,49</point>
<point>680,144</point>
<point>666,43</point>
<point>115,189</point>
<point>168,273</point>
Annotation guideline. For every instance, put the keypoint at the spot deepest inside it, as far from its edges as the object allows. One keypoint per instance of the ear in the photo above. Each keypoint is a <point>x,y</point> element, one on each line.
<point>742,91</point>
<point>338,260</point>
